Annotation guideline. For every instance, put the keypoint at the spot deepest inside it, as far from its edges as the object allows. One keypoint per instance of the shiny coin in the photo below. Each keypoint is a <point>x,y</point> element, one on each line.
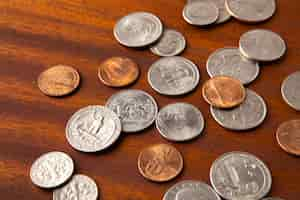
<point>290,90</point>
<point>173,76</point>
<point>239,175</point>
<point>138,29</point>
<point>250,114</point>
<point>160,163</point>
<point>80,187</point>
<point>229,62</point>
<point>51,169</point>
<point>59,80</point>
<point>262,45</point>
<point>180,122</point>
<point>136,109</point>
<point>171,43</point>
<point>93,128</point>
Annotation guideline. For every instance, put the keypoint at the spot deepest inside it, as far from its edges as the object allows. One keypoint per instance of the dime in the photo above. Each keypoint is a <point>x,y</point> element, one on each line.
<point>180,122</point>
<point>290,90</point>
<point>138,29</point>
<point>239,175</point>
<point>223,92</point>
<point>79,187</point>
<point>59,80</point>
<point>51,169</point>
<point>93,128</point>
<point>136,109</point>
<point>160,163</point>
<point>250,114</point>
<point>230,62</point>
<point>173,76</point>
<point>171,43</point>
<point>262,45</point>
<point>118,72</point>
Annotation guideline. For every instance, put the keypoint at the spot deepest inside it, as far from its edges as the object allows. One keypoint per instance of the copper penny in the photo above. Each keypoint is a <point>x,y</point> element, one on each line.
<point>288,136</point>
<point>160,163</point>
<point>224,92</point>
<point>59,80</point>
<point>118,72</point>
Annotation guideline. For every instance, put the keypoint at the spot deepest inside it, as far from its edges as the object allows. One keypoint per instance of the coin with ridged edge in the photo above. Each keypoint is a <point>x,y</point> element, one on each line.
<point>290,90</point>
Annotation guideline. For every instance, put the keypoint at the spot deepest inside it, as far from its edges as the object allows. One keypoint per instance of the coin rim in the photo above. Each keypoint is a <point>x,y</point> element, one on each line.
<point>284,88</point>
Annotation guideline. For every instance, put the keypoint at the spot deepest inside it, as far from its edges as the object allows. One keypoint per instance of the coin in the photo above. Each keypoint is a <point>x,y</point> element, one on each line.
<point>136,109</point>
<point>138,29</point>
<point>250,114</point>
<point>240,175</point>
<point>160,163</point>
<point>223,92</point>
<point>171,43</point>
<point>59,80</point>
<point>272,198</point>
<point>229,62</point>
<point>93,128</point>
<point>173,76</point>
<point>79,187</point>
<point>180,122</point>
<point>290,90</point>
<point>118,71</point>
<point>262,45</point>
<point>51,169</point>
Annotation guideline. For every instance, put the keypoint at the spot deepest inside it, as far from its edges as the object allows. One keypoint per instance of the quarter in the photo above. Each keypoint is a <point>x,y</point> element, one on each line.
<point>290,90</point>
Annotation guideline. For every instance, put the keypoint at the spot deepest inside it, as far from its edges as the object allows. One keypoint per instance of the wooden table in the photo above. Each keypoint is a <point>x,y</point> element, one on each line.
<point>36,34</point>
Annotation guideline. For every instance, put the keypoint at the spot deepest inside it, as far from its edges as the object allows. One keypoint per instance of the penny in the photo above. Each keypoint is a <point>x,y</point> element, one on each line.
<point>138,29</point>
<point>51,169</point>
<point>223,92</point>
<point>240,175</point>
<point>93,128</point>
<point>118,72</point>
<point>59,80</point>
<point>173,76</point>
<point>160,163</point>
<point>290,90</point>
<point>136,109</point>
<point>180,122</point>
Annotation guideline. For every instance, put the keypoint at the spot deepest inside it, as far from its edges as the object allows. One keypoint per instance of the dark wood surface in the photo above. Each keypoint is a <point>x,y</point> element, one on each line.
<point>35,34</point>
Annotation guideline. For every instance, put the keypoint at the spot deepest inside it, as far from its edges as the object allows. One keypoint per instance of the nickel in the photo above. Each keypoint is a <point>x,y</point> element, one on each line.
<point>290,90</point>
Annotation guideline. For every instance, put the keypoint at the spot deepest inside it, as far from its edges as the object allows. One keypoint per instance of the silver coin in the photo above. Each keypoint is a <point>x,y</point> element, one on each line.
<point>138,29</point>
<point>250,114</point>
<point>272,198</point>
<point>180,122</point>
<point>191,190</point>
<point>80,187</point>
<point>262,45</point>
<point>239,175</point>
<point>290,90</point>
<point>93,128</point>
<point>51,169</point>
<point>136,109</point>
<point>173,76</point>
<point>171,43</point>
<point>230,62</point>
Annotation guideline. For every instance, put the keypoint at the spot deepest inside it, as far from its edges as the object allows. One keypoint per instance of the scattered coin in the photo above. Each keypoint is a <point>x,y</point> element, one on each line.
<point>160,163</point>
<point>93,128</point>
<point>290,90</point>
<point>239,175</point>
<point>51,169</point>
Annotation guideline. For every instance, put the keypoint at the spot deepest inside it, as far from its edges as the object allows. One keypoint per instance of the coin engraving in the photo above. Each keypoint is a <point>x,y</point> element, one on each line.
<point>290,90</point>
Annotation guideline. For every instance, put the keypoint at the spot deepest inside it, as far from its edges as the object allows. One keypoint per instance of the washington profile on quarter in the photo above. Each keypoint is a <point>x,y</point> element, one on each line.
<point>290,90</point>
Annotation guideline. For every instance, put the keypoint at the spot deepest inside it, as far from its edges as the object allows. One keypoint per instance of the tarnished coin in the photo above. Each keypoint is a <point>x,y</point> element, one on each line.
<point>250,114</point>
<point>59,80</point>
<point>118,71</point>
<point>290,90</point>
<point>239,175</point>
<point>171,43</point>
<point>93,128</point>
<point>51,169</point>
<point>138,29</point>
<point>262,45</point>
<point>223,92</point>
<point>160,163</point>
<point>136,109</point>
<point>230,62</point>
<point>80,187</point>
<point>173,76</point>
<point>180,122</point>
